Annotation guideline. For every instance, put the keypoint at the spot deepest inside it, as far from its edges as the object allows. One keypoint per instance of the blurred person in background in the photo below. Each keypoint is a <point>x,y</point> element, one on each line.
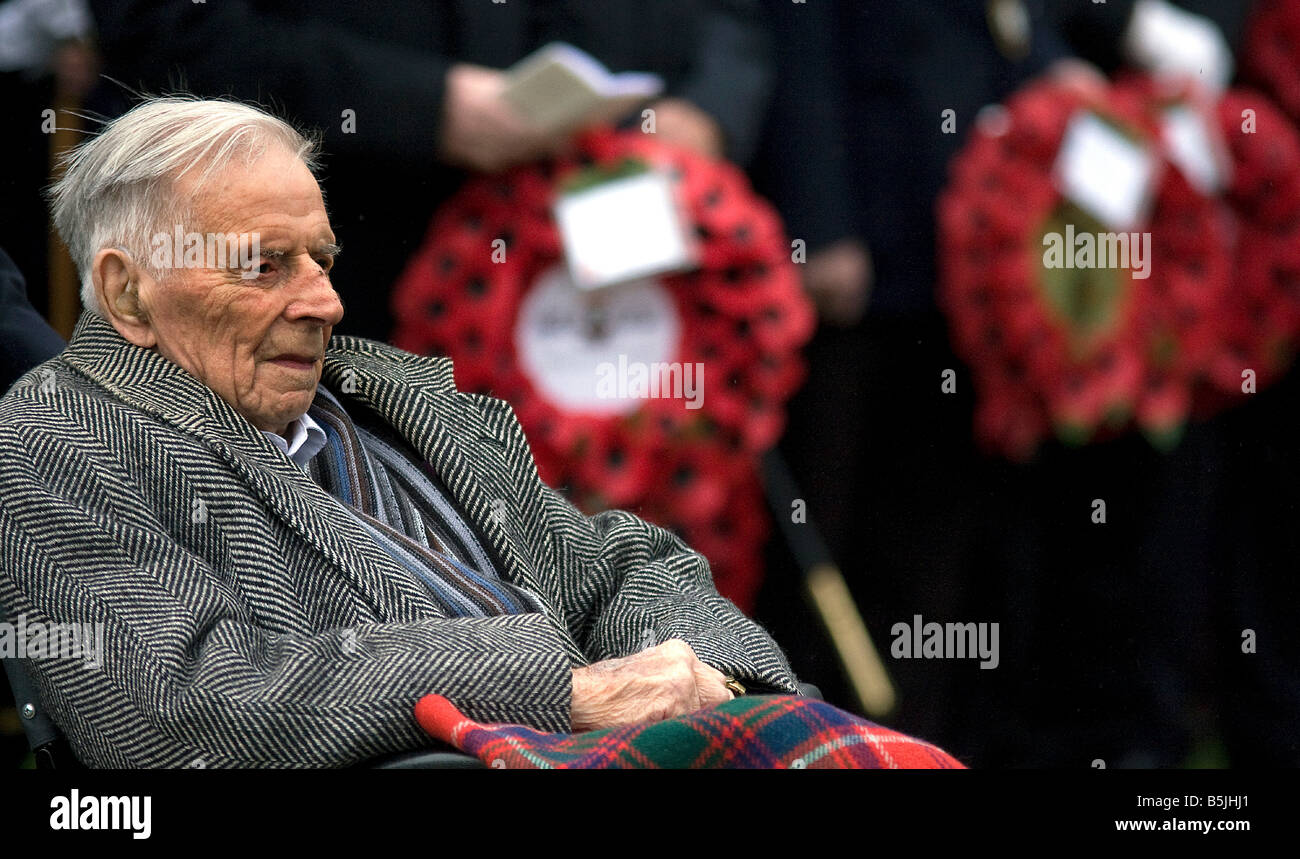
<point>46,61</point>
<point>425,83</point>
<point>854,159</point>
<point>1103,634</point>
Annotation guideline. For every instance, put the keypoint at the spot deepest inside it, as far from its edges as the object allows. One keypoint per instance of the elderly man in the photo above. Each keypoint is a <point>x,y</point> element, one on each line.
<point>283,541</point>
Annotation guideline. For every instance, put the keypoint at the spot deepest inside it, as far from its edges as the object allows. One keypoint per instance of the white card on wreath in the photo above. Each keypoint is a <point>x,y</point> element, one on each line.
<point>623,229</point>
<point>1196,146</point>
<point>1104,172</point>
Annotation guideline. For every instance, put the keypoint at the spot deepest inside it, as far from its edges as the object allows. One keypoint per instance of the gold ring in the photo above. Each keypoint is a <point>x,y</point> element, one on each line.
<point>734,685</point>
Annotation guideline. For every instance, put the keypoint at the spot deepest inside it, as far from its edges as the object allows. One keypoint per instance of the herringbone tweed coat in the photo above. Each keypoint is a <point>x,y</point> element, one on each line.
<point>249,621</point>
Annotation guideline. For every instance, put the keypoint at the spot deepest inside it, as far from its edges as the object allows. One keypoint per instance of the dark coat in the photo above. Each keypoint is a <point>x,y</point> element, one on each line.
<point>26,339</point>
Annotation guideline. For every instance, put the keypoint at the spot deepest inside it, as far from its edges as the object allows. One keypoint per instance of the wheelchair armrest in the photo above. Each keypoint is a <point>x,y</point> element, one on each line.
<point>427,759</point>
<point>810,691</point>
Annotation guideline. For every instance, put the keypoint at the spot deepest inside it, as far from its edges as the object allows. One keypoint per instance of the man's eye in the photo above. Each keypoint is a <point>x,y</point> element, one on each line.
<point>266,271</point>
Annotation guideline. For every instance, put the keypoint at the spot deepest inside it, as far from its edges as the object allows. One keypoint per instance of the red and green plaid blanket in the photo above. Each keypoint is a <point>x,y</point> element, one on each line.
<point>750,732</point>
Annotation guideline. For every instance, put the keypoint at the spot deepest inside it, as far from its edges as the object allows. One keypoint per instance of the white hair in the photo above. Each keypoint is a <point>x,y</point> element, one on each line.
<point>118,187</point>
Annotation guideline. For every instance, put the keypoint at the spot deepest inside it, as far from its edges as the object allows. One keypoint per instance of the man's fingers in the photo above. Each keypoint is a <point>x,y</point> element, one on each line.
<point>712,685</point>
<point>658,683</point>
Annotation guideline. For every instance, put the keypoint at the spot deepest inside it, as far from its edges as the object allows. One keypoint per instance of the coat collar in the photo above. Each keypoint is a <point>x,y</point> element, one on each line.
<point>416,395</point>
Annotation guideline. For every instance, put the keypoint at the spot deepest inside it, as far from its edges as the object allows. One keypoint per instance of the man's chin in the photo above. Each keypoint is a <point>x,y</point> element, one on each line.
<point>292,405</point>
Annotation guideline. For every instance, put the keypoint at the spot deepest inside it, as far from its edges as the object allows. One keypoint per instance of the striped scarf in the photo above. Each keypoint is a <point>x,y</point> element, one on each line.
<point>400,501</point>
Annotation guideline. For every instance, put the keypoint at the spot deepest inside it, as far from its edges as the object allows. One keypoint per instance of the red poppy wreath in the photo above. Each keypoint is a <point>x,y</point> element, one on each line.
<point>1270,52</point>
<point>1085,352</point>
<point>658,395</point>
<point>1052,347</point>
<point>1240,329</point>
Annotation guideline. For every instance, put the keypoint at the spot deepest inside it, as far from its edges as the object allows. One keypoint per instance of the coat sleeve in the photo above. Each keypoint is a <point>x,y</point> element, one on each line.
<point>625,584</point>
<point>26,339</point>
<point>731,72</point>
<point>186,676</point>
<point>802,159</point>
<point>634,584</point>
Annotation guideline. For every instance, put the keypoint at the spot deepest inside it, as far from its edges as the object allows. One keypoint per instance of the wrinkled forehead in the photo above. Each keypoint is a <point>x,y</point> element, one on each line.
<point>274,185</point>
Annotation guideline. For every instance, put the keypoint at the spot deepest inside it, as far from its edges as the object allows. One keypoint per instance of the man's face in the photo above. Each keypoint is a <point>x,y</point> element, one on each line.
<point>258,342</point>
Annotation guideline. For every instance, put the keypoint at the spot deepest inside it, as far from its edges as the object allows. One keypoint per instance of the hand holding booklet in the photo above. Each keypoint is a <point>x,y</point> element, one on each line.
<point>560,88</point>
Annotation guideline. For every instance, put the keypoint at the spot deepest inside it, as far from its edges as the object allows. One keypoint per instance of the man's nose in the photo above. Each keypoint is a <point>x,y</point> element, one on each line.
<point>314,296</point>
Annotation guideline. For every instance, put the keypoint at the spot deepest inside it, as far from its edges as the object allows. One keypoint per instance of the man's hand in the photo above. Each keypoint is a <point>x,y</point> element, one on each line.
<point>679,122</point>
<point>76,69</point>
<point>481,131</point>
<point>838,280</point>
<point>650,686</point>
<point>1081,77</point>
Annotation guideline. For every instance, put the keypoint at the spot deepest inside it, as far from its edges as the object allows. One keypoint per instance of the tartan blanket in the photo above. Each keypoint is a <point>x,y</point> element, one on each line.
<point>750,732</point>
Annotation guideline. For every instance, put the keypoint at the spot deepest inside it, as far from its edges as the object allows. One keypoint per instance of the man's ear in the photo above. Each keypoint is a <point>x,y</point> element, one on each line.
<point>117,285</point>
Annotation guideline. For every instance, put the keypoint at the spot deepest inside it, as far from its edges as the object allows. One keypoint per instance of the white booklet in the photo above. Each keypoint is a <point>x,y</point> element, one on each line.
<point>562,88</point>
